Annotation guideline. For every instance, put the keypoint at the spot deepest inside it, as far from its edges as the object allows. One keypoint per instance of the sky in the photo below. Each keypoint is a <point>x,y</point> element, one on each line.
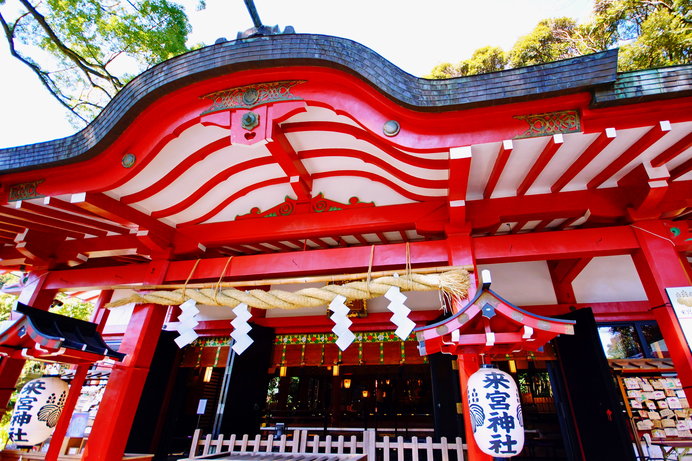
<point>415,35</point>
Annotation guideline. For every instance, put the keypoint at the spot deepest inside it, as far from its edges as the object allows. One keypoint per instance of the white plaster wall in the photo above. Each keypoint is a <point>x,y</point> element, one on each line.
<point>119,317</point>
<point>609,279</point>
<point>522,283</point>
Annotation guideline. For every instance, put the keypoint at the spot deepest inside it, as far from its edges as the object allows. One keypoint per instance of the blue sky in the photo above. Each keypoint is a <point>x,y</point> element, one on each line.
<point>414,35</point>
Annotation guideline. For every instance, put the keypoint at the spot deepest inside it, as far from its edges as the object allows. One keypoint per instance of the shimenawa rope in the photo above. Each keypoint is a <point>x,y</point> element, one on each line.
<point>454,283</point>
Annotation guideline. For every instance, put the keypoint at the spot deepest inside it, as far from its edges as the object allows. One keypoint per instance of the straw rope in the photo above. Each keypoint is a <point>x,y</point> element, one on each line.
<point>453,283</point>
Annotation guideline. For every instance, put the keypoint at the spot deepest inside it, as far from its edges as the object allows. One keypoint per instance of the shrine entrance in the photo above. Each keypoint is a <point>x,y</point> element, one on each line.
<point>388,397</point>
<point>543,431</point>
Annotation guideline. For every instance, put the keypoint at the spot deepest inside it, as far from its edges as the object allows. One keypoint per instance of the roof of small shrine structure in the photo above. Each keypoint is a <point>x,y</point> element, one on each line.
<point>294,142</point>
<point>490,325</point>
<point>46,336</point>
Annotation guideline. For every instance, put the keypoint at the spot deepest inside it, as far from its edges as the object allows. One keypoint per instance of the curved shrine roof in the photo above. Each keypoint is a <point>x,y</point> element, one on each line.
<point>420,94</point>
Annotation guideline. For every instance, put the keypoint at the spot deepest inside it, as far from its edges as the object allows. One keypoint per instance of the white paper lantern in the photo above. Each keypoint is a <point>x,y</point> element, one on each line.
<point>495,411</point>
<point>37,411</point>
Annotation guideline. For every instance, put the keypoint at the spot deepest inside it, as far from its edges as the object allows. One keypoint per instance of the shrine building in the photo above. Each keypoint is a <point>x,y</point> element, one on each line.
<point>238,214</point>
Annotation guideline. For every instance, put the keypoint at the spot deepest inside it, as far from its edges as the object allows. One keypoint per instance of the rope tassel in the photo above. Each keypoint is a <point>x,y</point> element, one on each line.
<point>452,283</point>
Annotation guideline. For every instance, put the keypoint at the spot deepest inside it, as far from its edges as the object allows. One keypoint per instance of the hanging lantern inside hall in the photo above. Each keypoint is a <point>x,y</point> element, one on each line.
<point>37,410</point>
<point>495,412</point>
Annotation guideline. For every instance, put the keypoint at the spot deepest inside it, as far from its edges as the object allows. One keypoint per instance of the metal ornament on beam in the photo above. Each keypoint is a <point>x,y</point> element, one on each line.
<point>490,325</point>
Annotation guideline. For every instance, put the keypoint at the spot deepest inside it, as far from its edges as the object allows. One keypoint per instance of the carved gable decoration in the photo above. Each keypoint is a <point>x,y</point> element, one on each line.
<point>249,96</point>
<point>317,204</point>
<point>550,123</point>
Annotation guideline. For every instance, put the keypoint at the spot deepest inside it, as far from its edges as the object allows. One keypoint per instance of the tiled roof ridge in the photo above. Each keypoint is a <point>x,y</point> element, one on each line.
<point>308,49</point>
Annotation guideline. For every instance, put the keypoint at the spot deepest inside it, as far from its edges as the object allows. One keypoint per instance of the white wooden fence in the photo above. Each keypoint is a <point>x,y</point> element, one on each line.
<point>299,441</point>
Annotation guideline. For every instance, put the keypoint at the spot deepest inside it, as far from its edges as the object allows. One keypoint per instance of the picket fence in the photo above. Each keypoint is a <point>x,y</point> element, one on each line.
<point>300,441</point>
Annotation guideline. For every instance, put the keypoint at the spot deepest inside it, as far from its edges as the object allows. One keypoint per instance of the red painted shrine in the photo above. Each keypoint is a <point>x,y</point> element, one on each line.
<point>308,158</point>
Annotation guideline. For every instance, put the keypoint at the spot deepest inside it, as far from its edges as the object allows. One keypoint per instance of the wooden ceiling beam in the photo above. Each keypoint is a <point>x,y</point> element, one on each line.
<point>49,222</point>
<point>81,220</point>
<point>595,148</point>
<point>9,256</point>
<point>321,243</point>
<point>292,228</point>
<point>116,211</point>
<point>603,202</point>
<point>578,243</point>
<point>673,151</point>
<point>459,173</point>
<point>554,143</point>
<point>100,247</point>
<point>19,225</point>
<point>681,170</point>
<point>635,150</point>
<point>287,158</point>
<point>499,166</point>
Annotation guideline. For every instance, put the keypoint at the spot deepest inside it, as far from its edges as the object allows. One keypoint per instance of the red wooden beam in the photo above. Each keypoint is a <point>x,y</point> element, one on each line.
<point>673,151</point>
<point>67,206</point>
<point>459,169</point>
<point>39,247</point>
<point>579,243</point>
<point>602,202</point>
<point>321,243</point>
<point>98,248</point>
<point>519,225</point>
<point>313,262</point>
<point>46,222</point>
<point>645,187</point>
<point>585,158</point>
<point>502,158</point>
<point>9,256</point>
<point>570,222</point>
<point>312,225</point>
<point>539,165</point>
<point>80,219</point>
<point>287,158</point>
<point>582,243</point>
<point>634,151</point>
<point>566,270</point>
<point>361,239</point>
<point>116,211</point>
<point>17,226</point>
<point>681,170</point>
<point>541,225</point>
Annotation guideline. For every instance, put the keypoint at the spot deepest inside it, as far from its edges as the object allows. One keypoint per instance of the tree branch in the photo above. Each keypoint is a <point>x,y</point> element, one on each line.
<point>75,57</point>
<point>43,76</point>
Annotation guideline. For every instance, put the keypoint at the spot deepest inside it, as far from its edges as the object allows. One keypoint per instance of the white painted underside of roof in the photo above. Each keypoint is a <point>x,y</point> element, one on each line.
<point>342,186</point>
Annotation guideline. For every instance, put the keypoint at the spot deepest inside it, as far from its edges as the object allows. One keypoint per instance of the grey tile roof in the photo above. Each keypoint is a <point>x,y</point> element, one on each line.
<point>304,49</point>
<point>642,85</point>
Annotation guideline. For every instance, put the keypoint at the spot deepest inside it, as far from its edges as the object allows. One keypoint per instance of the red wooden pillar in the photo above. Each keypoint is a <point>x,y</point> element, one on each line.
<point>562,273</point>
<point>661,266</point>
<point>468,365</point>
<point>67,410</point>
<point>460,251</point>
<point>119,403</point>
<point>99,315</point>
<point>32,295</point>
